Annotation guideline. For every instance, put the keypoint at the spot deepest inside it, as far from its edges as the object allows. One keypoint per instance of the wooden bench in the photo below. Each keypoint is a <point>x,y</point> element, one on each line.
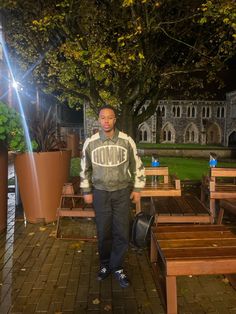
<point>165,184</point>
<point>228,205</point>
<point>220,184</point>
<point>179,209</point>
<point>72,205</point>
<point>182,250</point>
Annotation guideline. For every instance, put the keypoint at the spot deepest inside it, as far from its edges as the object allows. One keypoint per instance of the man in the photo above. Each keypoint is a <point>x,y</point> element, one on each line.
<point>111,175</point>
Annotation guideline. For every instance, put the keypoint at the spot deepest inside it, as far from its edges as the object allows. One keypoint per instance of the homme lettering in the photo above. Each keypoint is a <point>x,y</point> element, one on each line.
<point>109,156</point>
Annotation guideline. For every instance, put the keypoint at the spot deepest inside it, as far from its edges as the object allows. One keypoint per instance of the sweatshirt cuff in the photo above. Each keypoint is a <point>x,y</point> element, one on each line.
<point>86,191</point>
<point>136,189</point>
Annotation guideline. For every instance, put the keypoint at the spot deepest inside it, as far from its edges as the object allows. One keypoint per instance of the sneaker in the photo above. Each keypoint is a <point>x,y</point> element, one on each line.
<point>122,278</point>
<point>103,273</point>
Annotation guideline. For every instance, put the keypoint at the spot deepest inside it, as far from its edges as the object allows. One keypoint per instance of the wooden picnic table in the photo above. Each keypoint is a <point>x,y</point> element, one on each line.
<point>182,250</point>
<point>179,209</point>
<point>219,185</point>
<point>165,184</point>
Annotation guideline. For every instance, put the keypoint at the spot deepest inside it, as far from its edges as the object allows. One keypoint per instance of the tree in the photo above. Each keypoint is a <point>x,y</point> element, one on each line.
<point>122,52</point>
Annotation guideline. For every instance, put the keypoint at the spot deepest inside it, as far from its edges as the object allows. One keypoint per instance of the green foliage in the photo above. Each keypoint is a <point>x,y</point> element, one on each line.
<point>43,131</point>
<point>11,131</point>
<point>123,52</point>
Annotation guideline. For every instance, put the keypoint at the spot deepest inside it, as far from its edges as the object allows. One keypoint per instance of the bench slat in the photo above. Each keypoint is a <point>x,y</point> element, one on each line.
<point>201,243</point>
<point>185,253</point>
<point>208,234</point>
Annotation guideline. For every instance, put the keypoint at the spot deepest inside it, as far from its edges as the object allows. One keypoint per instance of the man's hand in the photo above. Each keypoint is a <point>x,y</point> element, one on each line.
<point>88,198</point>
<point>135,197</point>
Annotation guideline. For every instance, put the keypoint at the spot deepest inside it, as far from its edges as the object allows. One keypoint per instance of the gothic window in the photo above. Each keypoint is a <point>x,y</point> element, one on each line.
<point>168,133</point>
<point>191,134</point>
<point>145,136</point>
<point>164,137</point>
<point>206,112</point>
<point>161,111</point>
<point>203,112</point>
<point>188,112</point>
<point>191,112</point>
<point>144,133</point>
<point>176,110</point>
<point>220,112</point>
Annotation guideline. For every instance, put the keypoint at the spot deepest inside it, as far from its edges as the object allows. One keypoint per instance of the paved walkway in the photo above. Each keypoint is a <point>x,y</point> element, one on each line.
<point>42,274</point>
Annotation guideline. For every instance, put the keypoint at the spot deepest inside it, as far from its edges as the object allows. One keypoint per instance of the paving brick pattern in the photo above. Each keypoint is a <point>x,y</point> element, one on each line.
<point>42,274</point>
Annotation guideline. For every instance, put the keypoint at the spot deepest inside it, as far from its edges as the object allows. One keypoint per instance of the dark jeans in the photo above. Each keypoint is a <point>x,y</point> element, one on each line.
<point>112,221</point>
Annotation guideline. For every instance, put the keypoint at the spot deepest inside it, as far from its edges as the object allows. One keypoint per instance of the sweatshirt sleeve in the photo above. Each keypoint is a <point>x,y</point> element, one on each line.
<point>136,167</point>
<point>86,169</point>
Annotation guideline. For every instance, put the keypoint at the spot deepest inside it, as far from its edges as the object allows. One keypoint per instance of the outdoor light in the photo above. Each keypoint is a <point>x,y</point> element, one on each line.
<point>17,85</point>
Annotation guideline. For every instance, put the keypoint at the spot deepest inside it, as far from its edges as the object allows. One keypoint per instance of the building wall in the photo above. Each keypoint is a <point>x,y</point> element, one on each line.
<point>183,121</point>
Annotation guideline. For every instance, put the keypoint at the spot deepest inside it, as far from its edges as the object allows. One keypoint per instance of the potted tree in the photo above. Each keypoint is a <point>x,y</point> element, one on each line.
<point>11,138</point>
<point>42,172</point>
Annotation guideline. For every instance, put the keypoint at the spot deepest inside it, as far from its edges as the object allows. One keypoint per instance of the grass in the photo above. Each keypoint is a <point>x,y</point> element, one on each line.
<point>183,168</point>
<point>187,168</point>
<point>178,146</point>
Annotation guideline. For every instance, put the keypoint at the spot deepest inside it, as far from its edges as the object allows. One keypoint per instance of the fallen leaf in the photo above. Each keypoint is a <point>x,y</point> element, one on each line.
<point>96,301</point>
<point>42,228</point>
<point>225,280</point>
<point>52,234</point>
<point>108,308</point>
<point>31,233</point>
<point>76,245</point>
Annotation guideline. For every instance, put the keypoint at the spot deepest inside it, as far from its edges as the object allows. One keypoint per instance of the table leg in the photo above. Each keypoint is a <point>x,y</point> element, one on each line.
<point>153,250</point>
<point>138,207</point>
<point>171,295</point>
<point>212,209</point>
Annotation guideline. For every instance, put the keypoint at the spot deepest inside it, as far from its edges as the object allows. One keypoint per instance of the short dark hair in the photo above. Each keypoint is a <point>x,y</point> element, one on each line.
<point>106,107</point>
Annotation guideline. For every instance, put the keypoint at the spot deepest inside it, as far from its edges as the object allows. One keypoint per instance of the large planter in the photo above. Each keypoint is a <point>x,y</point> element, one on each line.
<point>3,185</point>
<point>41,177</point>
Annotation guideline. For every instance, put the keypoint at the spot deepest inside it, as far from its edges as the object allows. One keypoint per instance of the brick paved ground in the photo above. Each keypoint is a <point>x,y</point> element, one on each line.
<point>42,274</point>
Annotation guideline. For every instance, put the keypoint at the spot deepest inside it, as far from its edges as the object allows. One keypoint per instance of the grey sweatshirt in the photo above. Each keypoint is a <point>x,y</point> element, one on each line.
<point>111,164</point>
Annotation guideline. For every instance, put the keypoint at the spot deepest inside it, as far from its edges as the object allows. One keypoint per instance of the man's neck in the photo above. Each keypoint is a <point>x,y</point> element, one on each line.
<point>109,134</point>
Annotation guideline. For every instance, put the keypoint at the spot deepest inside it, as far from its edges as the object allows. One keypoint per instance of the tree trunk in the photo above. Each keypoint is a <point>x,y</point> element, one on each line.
<point>126,123</point>
<point>3,185</point>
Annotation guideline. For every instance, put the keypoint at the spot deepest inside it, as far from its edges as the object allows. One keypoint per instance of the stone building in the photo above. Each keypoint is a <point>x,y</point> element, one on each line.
<point>185,121</point>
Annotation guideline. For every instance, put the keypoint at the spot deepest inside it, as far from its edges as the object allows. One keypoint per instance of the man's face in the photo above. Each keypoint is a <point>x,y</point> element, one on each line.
<point>107,119</point>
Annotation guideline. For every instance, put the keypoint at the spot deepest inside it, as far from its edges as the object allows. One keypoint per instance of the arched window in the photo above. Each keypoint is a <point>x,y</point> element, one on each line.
<point>178,111</point>
<point>168,133</point>
<point>165,137</point>
<point>161,111</point>
<point>222,112</point>
<point>208,112</point>
<point>188,112</point>
<point>191,134</point>
<point>204,112</point>
<point>145,135</point>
